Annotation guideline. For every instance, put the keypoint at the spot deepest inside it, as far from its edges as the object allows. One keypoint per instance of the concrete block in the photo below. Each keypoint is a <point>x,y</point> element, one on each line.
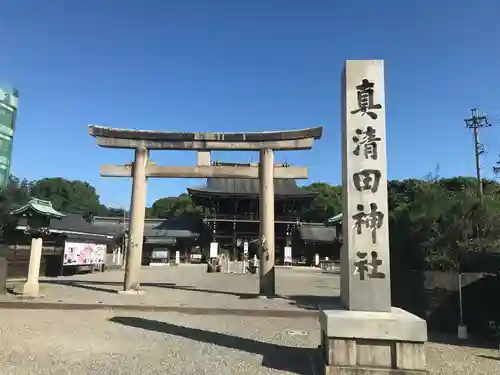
<point>410,356</point>
<point>373,343</point>
<point>396,325</point>
<point>339,352</point>
<point>374,353</point>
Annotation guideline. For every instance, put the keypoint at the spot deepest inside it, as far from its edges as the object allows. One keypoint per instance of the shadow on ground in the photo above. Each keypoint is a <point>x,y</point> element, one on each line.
<point>489,357</point>
<point>100,286</point>
<point>285,358</point>
<point>307,302</point>
<point>310,302</point>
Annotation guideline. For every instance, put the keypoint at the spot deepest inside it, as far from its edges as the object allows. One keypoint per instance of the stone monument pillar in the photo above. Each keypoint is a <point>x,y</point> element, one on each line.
<point>32,288</point>
<point>137,215</point>
<point>365,335</point>
<point>266,216</point>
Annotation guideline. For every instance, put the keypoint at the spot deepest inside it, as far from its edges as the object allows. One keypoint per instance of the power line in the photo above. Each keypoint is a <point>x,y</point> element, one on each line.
<point>475,122</point>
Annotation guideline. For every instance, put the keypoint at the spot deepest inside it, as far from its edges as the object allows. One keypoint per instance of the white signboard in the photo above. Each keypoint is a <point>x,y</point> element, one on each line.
<point>214,249</point>
<point>100,253</point>
<point>245,247</point>
<point>288,254</point>
<point>177,257</point>
<point>160,254</point>
<point>80,254</point>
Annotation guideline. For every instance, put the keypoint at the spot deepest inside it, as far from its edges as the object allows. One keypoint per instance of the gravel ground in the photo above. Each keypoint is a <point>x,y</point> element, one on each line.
<point>118,342</point>
<point>55,342</point>
<point>191,285</point>
<point>100,342</point>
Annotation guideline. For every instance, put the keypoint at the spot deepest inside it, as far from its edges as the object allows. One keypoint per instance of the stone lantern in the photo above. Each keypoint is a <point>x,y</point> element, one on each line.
<point>38,214</point>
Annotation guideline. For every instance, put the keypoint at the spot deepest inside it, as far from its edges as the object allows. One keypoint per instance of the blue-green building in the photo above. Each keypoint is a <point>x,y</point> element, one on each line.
<point>9,98</point>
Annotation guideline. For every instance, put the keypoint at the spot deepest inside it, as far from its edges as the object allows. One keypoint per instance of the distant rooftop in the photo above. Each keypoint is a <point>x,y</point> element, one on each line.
<point>242,187</point>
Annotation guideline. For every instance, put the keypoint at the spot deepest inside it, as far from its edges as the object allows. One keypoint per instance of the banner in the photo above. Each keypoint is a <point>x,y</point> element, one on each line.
<point>80,254</point>
<point>214,250</point>
<point>288,254</point>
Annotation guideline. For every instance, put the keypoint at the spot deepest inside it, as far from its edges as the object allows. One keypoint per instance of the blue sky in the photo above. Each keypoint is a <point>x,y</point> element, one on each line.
<point>227,65</point>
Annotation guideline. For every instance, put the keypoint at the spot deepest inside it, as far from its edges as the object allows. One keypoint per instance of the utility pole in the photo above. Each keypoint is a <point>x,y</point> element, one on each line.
<point>475,122</point>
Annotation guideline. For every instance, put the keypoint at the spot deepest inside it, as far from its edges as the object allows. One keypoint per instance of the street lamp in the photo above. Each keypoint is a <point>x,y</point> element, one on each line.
<point>123,209</point>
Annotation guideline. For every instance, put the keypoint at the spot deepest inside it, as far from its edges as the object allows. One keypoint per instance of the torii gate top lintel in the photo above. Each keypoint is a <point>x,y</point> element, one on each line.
<point>278,140</point>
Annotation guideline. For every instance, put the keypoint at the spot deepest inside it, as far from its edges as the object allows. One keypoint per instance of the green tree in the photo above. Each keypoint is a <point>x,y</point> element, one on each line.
<point>17,193</point>
<point>162,207</point>
<point>170,207</point>
<point>70,196</point>
<point>442,222</point>
<point>327,203</point>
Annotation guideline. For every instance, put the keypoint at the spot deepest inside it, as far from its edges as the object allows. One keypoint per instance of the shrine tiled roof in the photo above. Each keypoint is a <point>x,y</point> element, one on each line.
<point>40,206</point>
<point>77,223</point>
<point>228,186</point>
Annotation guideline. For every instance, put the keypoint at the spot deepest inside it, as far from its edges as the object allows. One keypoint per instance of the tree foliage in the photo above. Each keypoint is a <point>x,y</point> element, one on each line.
<point>169,207</point>
<point>14,195</point>
<point>442,222</point>
<point>434,223</point>
<point>327,203</point>
<point>76,197</point>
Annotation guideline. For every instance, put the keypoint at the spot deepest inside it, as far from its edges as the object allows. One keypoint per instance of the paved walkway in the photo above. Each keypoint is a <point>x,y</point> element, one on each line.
<point>189,288</point>
<point>116,343</point>
<point>47,342</point>
<point>191,323</point>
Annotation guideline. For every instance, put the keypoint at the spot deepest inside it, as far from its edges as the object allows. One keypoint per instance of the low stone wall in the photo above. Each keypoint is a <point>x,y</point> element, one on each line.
<point>448,280</point>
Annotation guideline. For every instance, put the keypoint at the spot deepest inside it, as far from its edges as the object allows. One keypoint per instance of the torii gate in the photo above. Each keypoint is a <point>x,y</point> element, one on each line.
<point>265,142</point>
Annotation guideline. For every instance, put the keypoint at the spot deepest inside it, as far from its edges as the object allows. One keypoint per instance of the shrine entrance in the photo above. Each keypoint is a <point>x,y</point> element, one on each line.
<point>266,143</point>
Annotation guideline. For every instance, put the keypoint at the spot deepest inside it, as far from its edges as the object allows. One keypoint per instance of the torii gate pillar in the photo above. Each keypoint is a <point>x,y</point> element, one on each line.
<point>266,214</point>
<point>137,216</point>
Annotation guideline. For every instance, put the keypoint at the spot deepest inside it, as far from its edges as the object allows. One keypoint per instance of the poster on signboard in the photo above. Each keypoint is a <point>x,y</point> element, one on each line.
<point>80,254</point>
<point>99,254</point>
<point>72,251</point>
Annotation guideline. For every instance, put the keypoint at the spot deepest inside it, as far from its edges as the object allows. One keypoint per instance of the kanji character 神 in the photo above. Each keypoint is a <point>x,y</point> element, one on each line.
<point>373,220</point>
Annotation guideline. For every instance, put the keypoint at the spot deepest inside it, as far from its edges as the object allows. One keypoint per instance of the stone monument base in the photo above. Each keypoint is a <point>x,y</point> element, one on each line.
<point>373,343</point>
<point>31,290</point>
